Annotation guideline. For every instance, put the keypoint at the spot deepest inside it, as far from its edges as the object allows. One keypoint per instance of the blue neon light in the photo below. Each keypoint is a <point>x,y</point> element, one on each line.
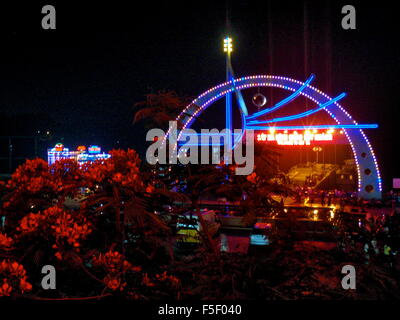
<point>339,114</point>
<point>228,106</point>
<point>199,144</point>
<point>301,115</point>
<point>229,116</point>
<point>238,93</point>
<point>338,126</point>
<point>210,134</point>
<point>320,127</point>
<point>284,101</point>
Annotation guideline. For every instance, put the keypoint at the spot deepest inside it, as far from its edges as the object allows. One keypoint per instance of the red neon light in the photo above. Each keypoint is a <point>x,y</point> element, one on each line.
<point>296,138</point>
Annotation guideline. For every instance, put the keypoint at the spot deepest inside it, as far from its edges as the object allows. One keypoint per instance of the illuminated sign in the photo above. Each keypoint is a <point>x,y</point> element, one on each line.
<point>59,147</point>
<point>295,138</point>
<point>81,148</point>
<point>80,155</point>
<point>94,149</point>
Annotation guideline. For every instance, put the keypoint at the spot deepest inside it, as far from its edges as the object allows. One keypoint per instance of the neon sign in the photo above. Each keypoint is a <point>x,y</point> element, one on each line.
<point>81,149</point>
<point>295,138</point>
<point>94,149</point>
<point>80,155</point>
<point>59,147</point>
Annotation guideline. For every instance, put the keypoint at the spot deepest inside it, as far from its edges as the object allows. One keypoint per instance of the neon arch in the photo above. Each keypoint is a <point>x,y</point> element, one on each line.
<point>369,178</point>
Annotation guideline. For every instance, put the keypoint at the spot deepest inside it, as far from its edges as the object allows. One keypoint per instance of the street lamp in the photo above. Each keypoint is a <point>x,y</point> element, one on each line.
<point>317,150</point>
<point>228,45</point>
<point>228,97</point>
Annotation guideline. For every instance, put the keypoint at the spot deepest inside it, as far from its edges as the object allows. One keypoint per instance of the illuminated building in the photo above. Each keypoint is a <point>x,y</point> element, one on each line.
<point>81,155</point>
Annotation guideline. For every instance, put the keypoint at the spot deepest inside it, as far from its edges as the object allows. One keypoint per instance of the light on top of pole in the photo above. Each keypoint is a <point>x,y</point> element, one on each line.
<point>228,45</point>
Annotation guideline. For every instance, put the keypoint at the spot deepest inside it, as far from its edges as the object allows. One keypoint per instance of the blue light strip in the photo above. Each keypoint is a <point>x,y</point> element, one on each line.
<point>336,126</point>
<point>229,117</point>
<point>264,128</point>
<point>284,101</point>
<point>241,102</point>
<point>228,104</point>
<point>242,105</point>
<point>238,93</point>
<point>210,134</point>
<point>193,110</point>
<point>199,144</point>
<point>301,115</point>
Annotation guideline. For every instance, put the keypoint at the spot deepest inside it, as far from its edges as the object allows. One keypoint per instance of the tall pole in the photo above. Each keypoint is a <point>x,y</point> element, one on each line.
<point>305,44</point>
<point>271,50</point>
<point>228,102</point>
<point>328,48</point>
<point>305,54</point>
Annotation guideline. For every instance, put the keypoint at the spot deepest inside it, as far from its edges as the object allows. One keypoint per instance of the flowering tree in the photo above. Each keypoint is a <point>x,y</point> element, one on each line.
<point>121,192</point>
<point>88,244</point>
<point>35,186</point>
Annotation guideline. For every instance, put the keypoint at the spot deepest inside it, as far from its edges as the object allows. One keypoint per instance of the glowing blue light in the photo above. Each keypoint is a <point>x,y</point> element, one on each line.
<point>301,115</point>
<point>210,134</point>
<point>238,93</point>
<point>94,149</point>
<point>200,144</point>
<point>337,112</point>
<point>228,105</point>
<point>336,126</point>
<point>284,101</point>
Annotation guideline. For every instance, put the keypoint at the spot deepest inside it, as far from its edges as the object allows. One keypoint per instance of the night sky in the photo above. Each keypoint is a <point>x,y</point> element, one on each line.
<point>87,75</point>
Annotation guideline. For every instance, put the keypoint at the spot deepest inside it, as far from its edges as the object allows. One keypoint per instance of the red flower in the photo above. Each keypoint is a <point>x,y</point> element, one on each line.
<point>5,242</point>
<point>5,289</point>
<point>13,278</point>
<point>116,266</point>
<point>58,225</point>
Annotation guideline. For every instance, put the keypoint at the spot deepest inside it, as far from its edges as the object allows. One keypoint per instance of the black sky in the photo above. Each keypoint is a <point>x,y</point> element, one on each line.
<point>103,58</point>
